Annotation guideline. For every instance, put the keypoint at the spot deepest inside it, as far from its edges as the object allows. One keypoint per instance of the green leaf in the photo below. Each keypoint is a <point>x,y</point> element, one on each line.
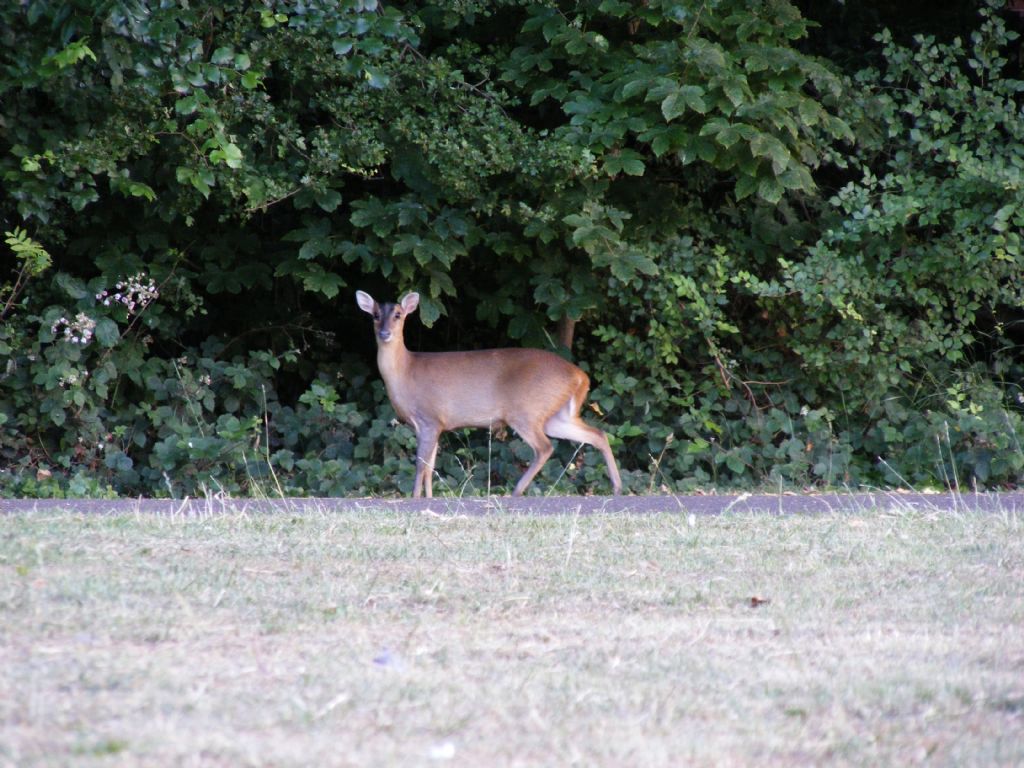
<point>203,181</point>
<point>35,257</point>
<point>1001,220</point>
<point>626,161</point>
<point>633,166</point>
<point>376,78</point>
<point>735,92</point>
<point>810,111</point>
<point>735,464</point>
<point>222,55</point>
<point>617,8</point>
<point>686,97</point>
<point>69,56</point>
<point>233,156</point>
<point>72,286</point>
<point>328,200</point>
<point>694,96</point>
<point>770,190</point>
<point>441,283</point>
<point>797,177</point>
<point>634,88</point>
<point>628,262</point>
<point>430,310</point>
<point>706,150</point>
<point>316,246</point>
<point>118,461</point>
<point>745,187</point>
<point>250,80</point>
<point>728,136</point>
<point>138,189</point>
<point>187,105</point>
<point>673,106</point>
<point>321,281</point>
<point>661,143</point>
<point>227,153</point>
<point>371,213</point>
<point>768,146</point>
<point>714,126</point>
<point>106,332</point>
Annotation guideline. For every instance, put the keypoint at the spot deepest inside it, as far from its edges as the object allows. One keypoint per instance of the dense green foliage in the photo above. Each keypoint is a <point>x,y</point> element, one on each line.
<point>792,260</point>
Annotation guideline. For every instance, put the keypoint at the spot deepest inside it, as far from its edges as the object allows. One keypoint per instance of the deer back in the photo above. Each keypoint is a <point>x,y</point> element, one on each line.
<point>486,387</point>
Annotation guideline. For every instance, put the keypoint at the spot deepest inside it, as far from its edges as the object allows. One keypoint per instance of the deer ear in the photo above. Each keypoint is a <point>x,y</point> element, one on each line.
<point>410,301</point>
<point>365,302</point>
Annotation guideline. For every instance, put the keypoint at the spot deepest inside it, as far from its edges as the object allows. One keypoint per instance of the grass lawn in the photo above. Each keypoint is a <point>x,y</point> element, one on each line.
<point>374,638</point>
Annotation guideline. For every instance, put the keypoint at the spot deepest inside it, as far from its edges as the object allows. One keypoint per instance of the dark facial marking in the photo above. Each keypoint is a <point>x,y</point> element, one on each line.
<point>389,315</point>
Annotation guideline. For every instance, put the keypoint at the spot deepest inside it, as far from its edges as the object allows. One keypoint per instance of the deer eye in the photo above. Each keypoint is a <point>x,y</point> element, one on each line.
<point>376,316</point>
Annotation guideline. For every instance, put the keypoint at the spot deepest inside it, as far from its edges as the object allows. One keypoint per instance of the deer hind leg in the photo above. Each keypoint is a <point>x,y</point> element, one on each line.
<point>426,452</point>
<point>429,470</point>
<point>566,424</point>
<point>536,439</point>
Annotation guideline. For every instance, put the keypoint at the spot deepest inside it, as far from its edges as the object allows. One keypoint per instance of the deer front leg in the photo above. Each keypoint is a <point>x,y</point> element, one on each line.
<point>426,452</point>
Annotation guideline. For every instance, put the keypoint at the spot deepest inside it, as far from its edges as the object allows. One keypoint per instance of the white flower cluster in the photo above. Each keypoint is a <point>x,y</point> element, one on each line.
<point>77,331</point>
<point>73,378</point>
<point>135,293</point>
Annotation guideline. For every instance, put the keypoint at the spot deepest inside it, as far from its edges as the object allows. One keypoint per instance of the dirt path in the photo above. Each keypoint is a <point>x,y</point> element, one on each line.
<point>1010,503</point>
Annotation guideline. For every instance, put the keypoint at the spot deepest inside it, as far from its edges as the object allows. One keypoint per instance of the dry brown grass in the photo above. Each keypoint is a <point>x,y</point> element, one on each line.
<point>382,639</point>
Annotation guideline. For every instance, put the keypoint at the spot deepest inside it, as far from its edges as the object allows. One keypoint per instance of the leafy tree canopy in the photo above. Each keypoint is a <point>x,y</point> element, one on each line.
<point>779,239</point>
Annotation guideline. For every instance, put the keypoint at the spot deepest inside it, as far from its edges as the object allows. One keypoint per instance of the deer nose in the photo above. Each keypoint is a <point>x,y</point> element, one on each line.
<point>384,335</point>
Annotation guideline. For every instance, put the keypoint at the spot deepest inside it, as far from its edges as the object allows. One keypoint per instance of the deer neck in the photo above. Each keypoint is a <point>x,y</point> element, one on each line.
<point>393,360</point>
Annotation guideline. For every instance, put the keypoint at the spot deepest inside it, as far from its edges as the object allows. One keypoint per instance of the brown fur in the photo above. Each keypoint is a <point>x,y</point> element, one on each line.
<point>536,393</point>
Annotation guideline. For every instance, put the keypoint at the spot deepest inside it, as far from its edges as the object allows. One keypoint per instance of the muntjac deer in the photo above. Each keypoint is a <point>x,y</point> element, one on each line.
<point>535,392</point>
